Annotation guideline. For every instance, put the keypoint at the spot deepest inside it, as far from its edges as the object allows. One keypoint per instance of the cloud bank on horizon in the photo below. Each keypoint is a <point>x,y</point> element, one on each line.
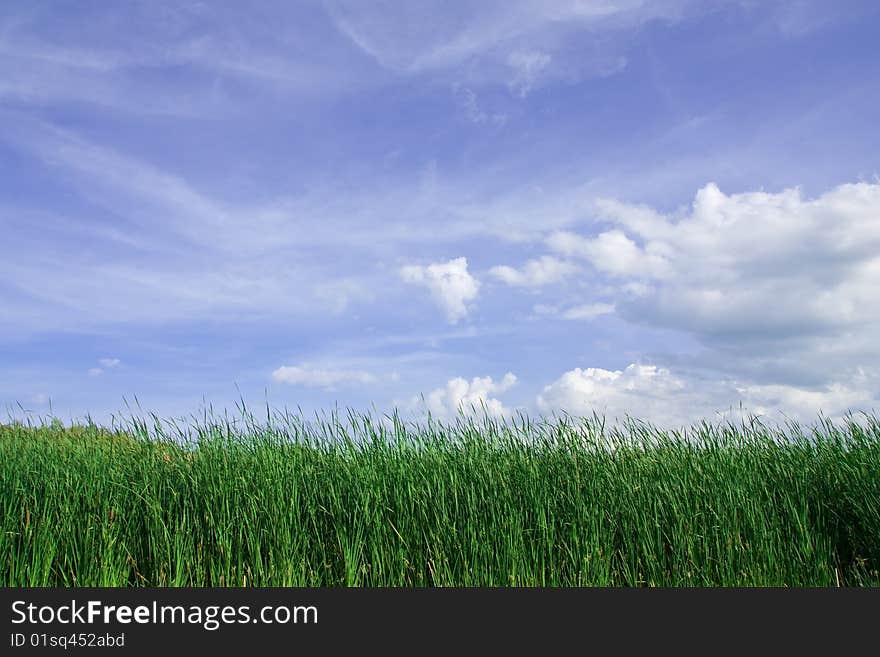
<point>666,209</point>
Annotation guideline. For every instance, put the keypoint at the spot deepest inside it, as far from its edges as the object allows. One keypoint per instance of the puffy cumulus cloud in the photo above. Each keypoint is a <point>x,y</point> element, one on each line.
<point>449,283</point>
<point>316,377</point>
<point>758,261</point>
<point>642,391</point>
<point>672,399</point>
<point>774,279</point>
<point>542,271</point>
<point>461,395</point>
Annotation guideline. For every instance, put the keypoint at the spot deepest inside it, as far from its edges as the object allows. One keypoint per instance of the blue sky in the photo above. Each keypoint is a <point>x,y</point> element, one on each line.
<point>661,208</point>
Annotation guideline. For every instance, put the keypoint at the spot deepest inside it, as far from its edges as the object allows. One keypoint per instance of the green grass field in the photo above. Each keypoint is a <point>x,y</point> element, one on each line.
<point>357,501</point>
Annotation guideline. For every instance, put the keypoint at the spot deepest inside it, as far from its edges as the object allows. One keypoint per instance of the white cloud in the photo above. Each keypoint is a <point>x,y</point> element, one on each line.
<point>315,377</point>
<point>106,364</point>
<point>832,399</point>
<point>585,311</point>
<point>761,259</point>
<point>671,399</point>
<point>459,394</point>
<point>772,284</point>
<point>643,391</point>
<point>612,252</point>
<point>535,273</point>
<point>450,285</point>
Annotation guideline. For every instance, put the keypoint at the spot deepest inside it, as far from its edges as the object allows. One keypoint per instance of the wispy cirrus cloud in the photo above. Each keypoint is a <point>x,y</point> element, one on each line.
<point>219,59</point>
<point>581,312</point>
<point>522,45</point>
<point>318,377</point>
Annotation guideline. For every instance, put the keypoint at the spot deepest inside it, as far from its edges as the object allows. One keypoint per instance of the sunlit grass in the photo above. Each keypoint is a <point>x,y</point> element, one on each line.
<point>374,501</point>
